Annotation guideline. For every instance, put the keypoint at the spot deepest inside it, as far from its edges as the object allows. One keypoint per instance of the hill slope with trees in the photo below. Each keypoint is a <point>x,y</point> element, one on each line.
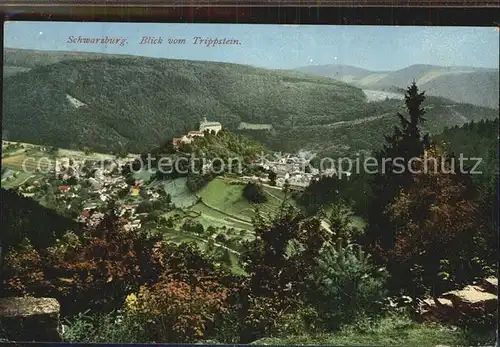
<point>113,103</point>
<point>139,102</point>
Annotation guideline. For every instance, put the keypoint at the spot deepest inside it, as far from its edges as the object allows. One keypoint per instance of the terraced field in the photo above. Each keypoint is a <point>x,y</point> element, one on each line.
<point>180,194</point>
<point>227,198</point>
<point>211,217</point>
<point>29,162</point>
<point>222,204</point>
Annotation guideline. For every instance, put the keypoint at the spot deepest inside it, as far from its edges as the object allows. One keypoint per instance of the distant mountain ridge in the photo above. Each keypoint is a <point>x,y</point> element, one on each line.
<point>477,86</point>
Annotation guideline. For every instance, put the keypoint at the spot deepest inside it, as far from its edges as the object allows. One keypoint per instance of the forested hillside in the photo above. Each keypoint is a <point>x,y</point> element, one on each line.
<point>363,134</point>
<point>474,140</point>
<point>131,104</point>
<point>237,260</point>
<point>139,102</point>
<point>20,60</point>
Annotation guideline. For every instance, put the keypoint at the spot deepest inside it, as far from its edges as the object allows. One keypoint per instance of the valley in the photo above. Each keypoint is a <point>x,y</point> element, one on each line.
<point>78,184</point>
<point>186,201</point>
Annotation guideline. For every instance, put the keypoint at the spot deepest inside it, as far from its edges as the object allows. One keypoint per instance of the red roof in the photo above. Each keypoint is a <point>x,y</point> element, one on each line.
<point>64,187</point>
<point>85,213</point>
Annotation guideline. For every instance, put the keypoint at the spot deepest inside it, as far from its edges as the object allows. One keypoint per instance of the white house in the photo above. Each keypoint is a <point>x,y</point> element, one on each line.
<point>210,126</point>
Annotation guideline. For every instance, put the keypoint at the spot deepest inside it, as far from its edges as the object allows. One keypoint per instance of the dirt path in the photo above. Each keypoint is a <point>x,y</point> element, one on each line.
<point>457,114</point>
<point>218,245</point>
<point>27,178</point>
<point>237,219</point>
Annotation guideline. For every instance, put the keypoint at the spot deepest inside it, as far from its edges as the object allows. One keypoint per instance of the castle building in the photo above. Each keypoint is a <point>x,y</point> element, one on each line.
<point>210,126</point>
<point>204,125</point>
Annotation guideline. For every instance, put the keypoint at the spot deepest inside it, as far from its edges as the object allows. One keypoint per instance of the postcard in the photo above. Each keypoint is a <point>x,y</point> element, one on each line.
<point>249,184</point>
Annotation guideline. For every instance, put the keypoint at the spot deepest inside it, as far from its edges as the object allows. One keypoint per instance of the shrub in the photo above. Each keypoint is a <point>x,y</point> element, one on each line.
<point>23,270</point>
<point>113,327</point>
<point>178,312</point>
<point>347,285</point>
<point>95,271</point>
<point>306,320</point>
<point>261,317</point>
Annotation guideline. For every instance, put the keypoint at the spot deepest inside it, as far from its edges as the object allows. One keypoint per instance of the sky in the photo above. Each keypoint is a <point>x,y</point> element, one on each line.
<point>378,48</point>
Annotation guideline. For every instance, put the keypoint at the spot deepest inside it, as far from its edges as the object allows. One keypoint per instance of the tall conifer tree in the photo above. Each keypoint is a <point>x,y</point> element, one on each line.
<point>405,143</point>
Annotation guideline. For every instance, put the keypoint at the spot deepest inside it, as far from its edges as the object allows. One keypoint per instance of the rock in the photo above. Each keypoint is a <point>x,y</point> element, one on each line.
<point>490,284</point>
<point>430,310</point>
<point>453,306</point>
<point>29,319</point>
<point>472,298</point>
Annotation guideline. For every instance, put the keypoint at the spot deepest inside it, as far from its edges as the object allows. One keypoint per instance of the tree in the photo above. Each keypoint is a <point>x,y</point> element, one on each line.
<point>407,140</point>
<point>87,150</point>
<point>254,193</point>
<point>404,144</point>
<point>167,198</point>
<point>179,311</point>
<point>72,181</point>
<point>320,193</point>
<point>144,206</point>
<point>197,181</point>
<point>283,252</point>
<point>122,193</point>
<point>198,229</point>
<point>339,220</point>
<point>279,263</point>
<point>438,230</point>
<point>221,238</point>
<point>130,180</point>
<point>272,178</point>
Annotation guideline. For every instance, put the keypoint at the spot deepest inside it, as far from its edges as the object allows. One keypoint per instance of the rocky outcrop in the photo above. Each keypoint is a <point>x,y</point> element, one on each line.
<point>470,301</point>
<point>29,319</point>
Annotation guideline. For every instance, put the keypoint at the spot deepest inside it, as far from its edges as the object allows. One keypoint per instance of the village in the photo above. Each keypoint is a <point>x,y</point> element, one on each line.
<point>84,185</point>
<point>291,170</point>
